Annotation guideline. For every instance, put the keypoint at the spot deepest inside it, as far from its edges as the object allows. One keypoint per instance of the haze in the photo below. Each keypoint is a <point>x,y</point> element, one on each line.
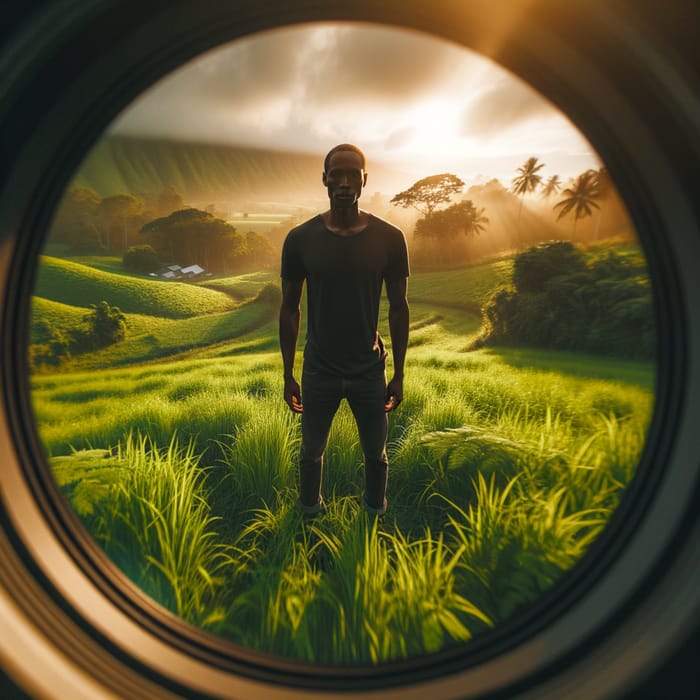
<point>412,102</point>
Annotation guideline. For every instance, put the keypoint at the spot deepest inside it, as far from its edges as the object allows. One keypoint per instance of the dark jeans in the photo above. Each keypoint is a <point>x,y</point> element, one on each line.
<point>321,395</point>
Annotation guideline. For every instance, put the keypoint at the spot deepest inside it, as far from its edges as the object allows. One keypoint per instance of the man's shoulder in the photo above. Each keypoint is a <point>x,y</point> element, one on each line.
<point>387,232</point>
<point>310,225</point>
<point>385,225</point>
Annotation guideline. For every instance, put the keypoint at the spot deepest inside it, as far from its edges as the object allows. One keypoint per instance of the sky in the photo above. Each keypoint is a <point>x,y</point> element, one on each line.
<point>409,100</point>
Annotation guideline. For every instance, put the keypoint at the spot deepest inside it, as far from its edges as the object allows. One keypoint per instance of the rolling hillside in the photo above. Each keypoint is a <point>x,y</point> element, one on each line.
<point>79,285</point>
<point>168,318</point>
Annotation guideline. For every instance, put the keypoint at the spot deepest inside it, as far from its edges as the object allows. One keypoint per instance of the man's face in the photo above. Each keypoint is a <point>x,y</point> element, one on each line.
<point>344,178</point>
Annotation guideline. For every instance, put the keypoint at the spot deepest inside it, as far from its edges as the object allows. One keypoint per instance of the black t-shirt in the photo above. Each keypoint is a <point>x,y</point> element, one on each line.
<point>344,276</point>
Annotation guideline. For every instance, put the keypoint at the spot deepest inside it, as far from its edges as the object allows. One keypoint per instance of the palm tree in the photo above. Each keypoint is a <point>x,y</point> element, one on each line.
<point>552,186</point>
<point>603,180</point>
<point>477,223</point>
<point>527,180</point>
<point>604,184</point>
<point>580,197</point>
<point>474,224</point>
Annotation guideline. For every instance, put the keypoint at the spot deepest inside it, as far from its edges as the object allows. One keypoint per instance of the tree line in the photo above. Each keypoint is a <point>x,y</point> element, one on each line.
<point>446,222</point>
<point>156,229</point>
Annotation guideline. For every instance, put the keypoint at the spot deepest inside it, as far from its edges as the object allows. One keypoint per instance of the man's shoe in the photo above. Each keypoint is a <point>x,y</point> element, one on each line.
<point>371,510</point>
<point>310,511</point>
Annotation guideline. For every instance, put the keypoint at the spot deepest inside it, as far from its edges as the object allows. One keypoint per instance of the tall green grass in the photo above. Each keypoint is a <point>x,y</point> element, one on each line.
<point>155,523</point>
<point>500,479</point>
<point>504,466</point>
<point>344,591</point>
<point>260,456</point>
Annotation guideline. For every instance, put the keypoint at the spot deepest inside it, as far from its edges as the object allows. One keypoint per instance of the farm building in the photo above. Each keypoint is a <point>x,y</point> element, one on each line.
<point>177,272</point>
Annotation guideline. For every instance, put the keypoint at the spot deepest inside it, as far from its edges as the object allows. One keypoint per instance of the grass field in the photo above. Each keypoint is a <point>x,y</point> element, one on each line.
<point>504,465</point>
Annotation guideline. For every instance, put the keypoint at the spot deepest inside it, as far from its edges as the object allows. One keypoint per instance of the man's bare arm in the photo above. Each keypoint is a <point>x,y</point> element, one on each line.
<point>289,320</point>
<point>398,329</point>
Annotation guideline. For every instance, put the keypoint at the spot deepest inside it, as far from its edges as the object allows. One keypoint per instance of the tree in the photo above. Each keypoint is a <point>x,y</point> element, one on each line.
<point>117,217</point>
<point>428,193</point>
<point>567,299</point>
<point>195,236</point>
<point>169,200</point>
<point>260,252</point>
<point>141,258</point>
<point>439,232</point>
<point>580,197</point>
<point>462,217</point>
<point>55,348</point>
<point>605,188</point>
<point>603,181</point>
<point>552,186</point>
<point>535,267</point>
<point>527,180</point>
<point>74,222</point>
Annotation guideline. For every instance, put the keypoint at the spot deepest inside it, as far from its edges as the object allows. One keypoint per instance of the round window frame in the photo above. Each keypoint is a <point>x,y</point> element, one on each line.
<point>60,589</point>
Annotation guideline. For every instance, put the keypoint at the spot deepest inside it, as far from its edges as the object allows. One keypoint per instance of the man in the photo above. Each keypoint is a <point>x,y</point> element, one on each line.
<point>344,255</point>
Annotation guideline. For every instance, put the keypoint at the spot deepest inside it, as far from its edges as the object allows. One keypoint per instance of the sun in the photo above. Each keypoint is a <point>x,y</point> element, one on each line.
<point>434,128</point>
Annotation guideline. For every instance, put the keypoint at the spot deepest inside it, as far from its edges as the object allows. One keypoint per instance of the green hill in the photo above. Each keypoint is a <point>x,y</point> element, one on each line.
<point>244,286</point>
<point>168,318</point>
<point>53,314</point>
<point>465,288</point>
<point>79,285</point>
<point>151,338</point>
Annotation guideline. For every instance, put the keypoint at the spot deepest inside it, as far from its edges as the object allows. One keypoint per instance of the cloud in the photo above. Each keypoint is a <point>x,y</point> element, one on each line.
<point>377,65</point>
<point>311,70</point>
<point>397,93</point>
<point>246,71</point>
<point>399,137</point>
<point>507,104</point>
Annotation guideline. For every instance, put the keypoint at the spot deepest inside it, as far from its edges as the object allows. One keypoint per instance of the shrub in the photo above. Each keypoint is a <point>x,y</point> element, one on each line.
<point>141,258</point>
<point>103,325</point>
<point>563,301</point>
<point>106,324</point>
<point>533,268</point>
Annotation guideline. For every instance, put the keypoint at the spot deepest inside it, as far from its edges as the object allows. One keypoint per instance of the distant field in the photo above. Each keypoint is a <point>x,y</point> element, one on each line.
<point>250,221</point>
<point>159,330</point>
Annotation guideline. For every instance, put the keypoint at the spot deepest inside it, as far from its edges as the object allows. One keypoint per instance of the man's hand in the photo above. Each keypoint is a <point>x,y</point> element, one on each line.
<point>292,395</point>
<point>394,394</point>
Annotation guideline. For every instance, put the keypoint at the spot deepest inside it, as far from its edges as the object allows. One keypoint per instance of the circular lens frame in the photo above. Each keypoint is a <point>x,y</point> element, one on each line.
<point>68,69</point>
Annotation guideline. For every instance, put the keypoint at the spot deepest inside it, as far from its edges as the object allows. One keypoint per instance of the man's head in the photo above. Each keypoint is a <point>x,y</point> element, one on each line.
<point>344,174</point>
<point>343,147</point>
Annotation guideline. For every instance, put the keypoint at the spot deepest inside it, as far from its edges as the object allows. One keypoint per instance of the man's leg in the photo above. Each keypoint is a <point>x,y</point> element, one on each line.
<point>320,395</point>
<point>366,396</point>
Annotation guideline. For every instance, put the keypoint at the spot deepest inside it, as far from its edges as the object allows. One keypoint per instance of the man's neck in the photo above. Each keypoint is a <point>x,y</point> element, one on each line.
<point>345,220</point>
